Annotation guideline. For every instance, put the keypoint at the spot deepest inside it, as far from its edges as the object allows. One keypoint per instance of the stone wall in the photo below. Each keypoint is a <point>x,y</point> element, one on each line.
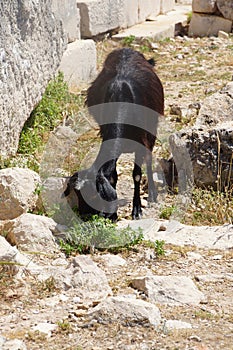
<point>33,38</point>
<point>101,16</point>
<point>211,16</point>
<point>31,46</point>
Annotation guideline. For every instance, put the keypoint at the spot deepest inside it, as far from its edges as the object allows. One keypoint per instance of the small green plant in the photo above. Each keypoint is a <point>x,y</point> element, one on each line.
<point>167,212</point>
<point>99,233</point>
<point>64,326</point>
<point>56,102</point>
<point>159,247</point>
<point>144,48</point>
<point>128,41</point>
<point>45,116</point>
<point>189,17</point>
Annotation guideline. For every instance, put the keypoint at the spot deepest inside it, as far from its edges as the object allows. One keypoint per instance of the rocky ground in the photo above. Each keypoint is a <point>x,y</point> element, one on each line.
<point>110,301</point>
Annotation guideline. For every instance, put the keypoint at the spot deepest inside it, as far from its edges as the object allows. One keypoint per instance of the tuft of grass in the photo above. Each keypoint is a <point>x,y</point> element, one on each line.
<point>159,247</point>
<point>56,104</point>
<point>129,40</point>
<point>64,326</point>
<point>45,117</point>
<point>209,207</point>
<point>167,211</point>
<point>189,17</point>
<point>99,233</point>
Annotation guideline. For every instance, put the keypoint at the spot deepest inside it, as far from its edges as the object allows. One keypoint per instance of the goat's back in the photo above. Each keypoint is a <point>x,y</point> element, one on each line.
<point>126,83</point>
<point>127,77</point>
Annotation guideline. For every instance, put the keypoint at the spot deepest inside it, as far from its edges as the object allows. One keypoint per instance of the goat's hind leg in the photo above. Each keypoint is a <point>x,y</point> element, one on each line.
<point>152,192</point>
<point>137,175</point>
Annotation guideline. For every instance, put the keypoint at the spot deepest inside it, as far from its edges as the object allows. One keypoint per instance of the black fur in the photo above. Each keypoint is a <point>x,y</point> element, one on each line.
<point>127,77</point>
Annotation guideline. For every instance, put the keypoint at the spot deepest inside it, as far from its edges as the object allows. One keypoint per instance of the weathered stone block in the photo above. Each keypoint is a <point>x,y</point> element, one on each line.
<point>68,13</point>
<point>167,5</point>
<point>31,46</point>
<point>226,8</point>
<point>208,25</point>
<point>147,8</point>
<point>79,62</point>
<point>98,16</point>
<point>204,6</point>
<point>128,13</point>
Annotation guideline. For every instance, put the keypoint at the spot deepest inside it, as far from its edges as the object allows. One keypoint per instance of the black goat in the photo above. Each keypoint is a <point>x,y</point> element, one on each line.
<point>125,99</point>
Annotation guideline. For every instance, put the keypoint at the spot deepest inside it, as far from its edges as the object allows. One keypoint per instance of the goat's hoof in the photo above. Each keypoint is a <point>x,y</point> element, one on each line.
<point>152,199</point>
<point>137,216</point>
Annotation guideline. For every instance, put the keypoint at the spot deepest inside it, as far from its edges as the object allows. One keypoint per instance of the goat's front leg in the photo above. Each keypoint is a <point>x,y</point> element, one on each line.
<point>137,175</point>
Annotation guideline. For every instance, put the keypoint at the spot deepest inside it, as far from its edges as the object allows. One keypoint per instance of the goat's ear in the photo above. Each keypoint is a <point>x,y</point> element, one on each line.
<point>151,61</point>
<point>66,192</point>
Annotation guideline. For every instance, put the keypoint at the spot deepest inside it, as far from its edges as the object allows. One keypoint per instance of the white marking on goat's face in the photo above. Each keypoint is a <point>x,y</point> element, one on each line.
<point>137,178</point>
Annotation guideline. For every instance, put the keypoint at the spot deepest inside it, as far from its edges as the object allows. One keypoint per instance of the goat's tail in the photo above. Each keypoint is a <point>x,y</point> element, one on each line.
<point>119,91</point>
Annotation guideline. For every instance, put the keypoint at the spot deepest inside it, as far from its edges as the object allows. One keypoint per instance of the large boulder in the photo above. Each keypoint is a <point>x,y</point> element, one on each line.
<point>31,46</point>
<point>18,192</point>
<point>210,141</point>
<point>31,232</point>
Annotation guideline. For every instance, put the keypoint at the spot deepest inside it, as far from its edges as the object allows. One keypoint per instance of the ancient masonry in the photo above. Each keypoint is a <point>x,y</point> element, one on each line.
<point>83,20</point>
<point>211,16</point>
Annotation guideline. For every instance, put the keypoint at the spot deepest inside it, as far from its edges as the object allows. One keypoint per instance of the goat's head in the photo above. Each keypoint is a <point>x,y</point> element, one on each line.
<point>95,194</point>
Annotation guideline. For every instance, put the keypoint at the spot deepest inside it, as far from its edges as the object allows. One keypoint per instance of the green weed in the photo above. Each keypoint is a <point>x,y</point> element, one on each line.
<point>98,233</point>
<point>56,103</point>
<point>167,212</point>
<point>159,247</point>
<point>128,41</point>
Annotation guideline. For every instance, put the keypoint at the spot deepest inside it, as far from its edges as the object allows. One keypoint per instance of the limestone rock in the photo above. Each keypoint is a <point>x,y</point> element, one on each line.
<point>98,16</point>
<point>173,290</point>
<point>176,324</point>
<point>45,328</point>
<point>210,153</point>
<point>17,192</point>
<point>31,46</point>
<point>13,260</point>
<point>204,6</point>
<point>147,8</point>
<point>127,311</point>
<point>208,25</point>
<point>14,344</point>
<point>216,108</point>
<point>83,53</point>
<point>209,142</point>
<point>68,13</point>
<point>86,277</point>
<point>226,8</point>
<point>31,232</point>
<point>113,261</point>
<point>214,237</point>
<point>166,6</point>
